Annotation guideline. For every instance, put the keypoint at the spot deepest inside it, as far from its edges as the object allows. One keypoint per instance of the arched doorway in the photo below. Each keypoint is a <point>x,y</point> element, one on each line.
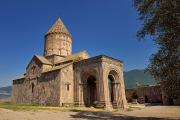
<point>91,91</point>
<point>113,84</point>
<point>111,87</point>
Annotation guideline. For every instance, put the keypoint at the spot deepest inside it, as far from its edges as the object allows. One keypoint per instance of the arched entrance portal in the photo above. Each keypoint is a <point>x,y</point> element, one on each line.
<point>111,87</point>
<point>91,91</point>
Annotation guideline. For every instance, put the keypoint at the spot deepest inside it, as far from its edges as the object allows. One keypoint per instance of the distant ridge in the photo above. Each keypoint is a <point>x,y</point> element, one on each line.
<point>137,75</point>
<point>5,92</point>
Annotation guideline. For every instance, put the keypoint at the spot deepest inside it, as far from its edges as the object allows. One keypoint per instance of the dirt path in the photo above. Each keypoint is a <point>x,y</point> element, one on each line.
<point>171,112</point>
<point>148,113</point>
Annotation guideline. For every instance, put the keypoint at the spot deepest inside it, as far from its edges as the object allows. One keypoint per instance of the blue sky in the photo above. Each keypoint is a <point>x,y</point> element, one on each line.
<point>98,26</point>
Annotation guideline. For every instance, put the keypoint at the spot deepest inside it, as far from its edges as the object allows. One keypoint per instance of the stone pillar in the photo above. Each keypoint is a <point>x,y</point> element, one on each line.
<point>108,104</point>
<point>100,89</point>
<point>119,96</point>
<point>81,94</point>
<point>97,90</point>
<point>115,93</point>
<point>121,90</point>
<point>77,81</point>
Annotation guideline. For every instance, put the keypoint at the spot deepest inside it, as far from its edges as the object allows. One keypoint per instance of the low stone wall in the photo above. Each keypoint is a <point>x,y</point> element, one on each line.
<point>145,94</point>
<point>149,94</point>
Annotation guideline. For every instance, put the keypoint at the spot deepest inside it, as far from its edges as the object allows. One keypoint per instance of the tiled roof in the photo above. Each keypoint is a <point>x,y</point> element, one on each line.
<point>75,57</point>
<point>58,67</point>
<point>58,27</point>
<point>43,60</point>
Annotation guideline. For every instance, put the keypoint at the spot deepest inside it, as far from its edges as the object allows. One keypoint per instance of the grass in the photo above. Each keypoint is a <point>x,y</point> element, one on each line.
<point>135,107</point>
<point>34,107</point>
<point>13,106</point>
<point>129,109</point>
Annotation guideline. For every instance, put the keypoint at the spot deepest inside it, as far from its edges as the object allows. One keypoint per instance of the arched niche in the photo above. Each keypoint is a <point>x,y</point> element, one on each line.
<point>113,85</point>
<point>89,87</point>
<point>91,91</point>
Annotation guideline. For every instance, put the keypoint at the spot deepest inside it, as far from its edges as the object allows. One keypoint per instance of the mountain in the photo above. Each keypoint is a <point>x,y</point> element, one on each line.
<point>130,78</point>
<point>7,89</point>
<point>5,92</point>
<point>133,76</point>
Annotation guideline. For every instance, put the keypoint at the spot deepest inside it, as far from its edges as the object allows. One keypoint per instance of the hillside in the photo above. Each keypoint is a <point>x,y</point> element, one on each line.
<point>5,92</point>
<point>133,76</point>
<point>7,89</point>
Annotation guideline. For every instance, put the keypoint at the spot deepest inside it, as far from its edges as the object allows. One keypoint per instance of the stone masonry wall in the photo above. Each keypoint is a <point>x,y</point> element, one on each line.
<point>42,90</point>
<point>67,86</point>
<point>150,94</point>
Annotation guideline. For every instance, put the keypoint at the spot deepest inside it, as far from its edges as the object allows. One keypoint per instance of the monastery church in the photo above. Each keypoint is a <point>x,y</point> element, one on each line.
<point>60,78</point>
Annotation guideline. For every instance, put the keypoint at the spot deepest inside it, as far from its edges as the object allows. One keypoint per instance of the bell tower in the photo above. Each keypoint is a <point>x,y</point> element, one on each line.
<point>58,41</point>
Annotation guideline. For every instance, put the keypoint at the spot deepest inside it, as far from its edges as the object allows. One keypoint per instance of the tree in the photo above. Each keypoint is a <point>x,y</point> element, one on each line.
<point>134,94</point>
<point>161,22</point>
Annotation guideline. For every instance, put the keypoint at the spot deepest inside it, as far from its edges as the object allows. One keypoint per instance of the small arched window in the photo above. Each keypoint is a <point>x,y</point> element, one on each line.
<point>32,87</point>
<point>67,87</point>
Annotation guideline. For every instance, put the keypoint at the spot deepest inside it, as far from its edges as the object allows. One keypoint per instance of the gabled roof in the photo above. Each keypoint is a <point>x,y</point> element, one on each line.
<point>58,67</point>
<point>75,57</point>
<point>58,27</point>
<point>43,59</point>
<point>20,77</point>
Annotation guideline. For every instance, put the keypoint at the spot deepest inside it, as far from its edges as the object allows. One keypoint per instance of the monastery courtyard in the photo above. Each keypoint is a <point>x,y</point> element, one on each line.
<point>147,113</point>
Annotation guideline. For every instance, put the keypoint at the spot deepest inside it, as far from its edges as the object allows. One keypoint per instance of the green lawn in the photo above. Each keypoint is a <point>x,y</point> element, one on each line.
<point>13,106</point>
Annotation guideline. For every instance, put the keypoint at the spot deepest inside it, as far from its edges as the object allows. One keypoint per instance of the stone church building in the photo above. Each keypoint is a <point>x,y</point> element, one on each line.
<point>60,78</point>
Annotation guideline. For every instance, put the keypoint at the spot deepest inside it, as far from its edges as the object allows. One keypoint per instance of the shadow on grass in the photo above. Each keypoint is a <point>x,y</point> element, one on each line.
<point>102,115</point>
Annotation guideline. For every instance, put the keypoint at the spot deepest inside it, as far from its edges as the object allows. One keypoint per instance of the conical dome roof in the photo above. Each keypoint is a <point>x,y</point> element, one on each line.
<point>58,27</point>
